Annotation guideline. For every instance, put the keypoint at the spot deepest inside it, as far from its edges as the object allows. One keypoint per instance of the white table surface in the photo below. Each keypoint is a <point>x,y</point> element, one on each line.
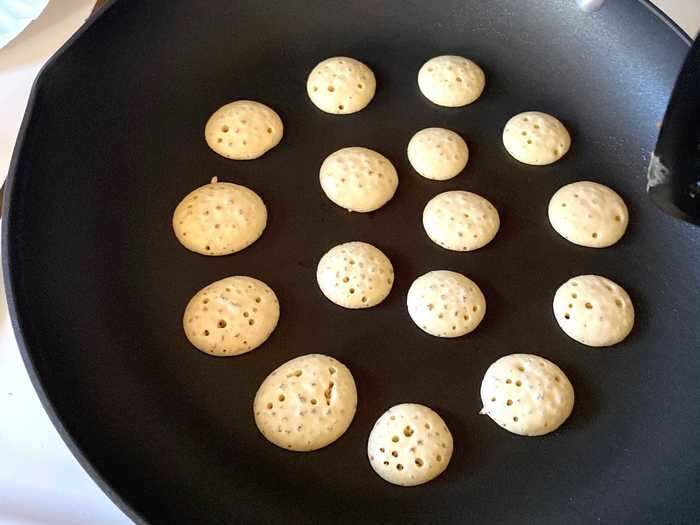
<point>40,481</point>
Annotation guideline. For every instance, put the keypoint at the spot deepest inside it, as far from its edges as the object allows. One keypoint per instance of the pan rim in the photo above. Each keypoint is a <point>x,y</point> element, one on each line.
<point>9,283</point>
<point>9,277</point>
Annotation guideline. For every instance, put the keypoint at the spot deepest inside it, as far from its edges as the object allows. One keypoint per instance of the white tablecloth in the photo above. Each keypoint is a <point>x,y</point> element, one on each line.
<point>40,481</point>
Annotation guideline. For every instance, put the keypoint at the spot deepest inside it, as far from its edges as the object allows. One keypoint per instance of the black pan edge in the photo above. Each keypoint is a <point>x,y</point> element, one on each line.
<point>37,382</point>
<point>17,324</point>
<point>667,20</point>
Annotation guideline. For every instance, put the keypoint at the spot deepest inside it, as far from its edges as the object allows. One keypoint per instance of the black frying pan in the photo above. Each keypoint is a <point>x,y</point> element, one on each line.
<point>97,282</point>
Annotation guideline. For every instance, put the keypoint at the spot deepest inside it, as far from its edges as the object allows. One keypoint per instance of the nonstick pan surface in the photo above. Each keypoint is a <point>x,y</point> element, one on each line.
<point>97,281</point>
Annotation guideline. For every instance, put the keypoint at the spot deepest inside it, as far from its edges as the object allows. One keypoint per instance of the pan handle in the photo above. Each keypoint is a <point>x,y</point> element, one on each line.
<point>673,179</point>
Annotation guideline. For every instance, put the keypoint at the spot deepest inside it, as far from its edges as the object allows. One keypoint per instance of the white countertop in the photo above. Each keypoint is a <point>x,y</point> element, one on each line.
<point>40,481</point>
<point>686,13</point>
